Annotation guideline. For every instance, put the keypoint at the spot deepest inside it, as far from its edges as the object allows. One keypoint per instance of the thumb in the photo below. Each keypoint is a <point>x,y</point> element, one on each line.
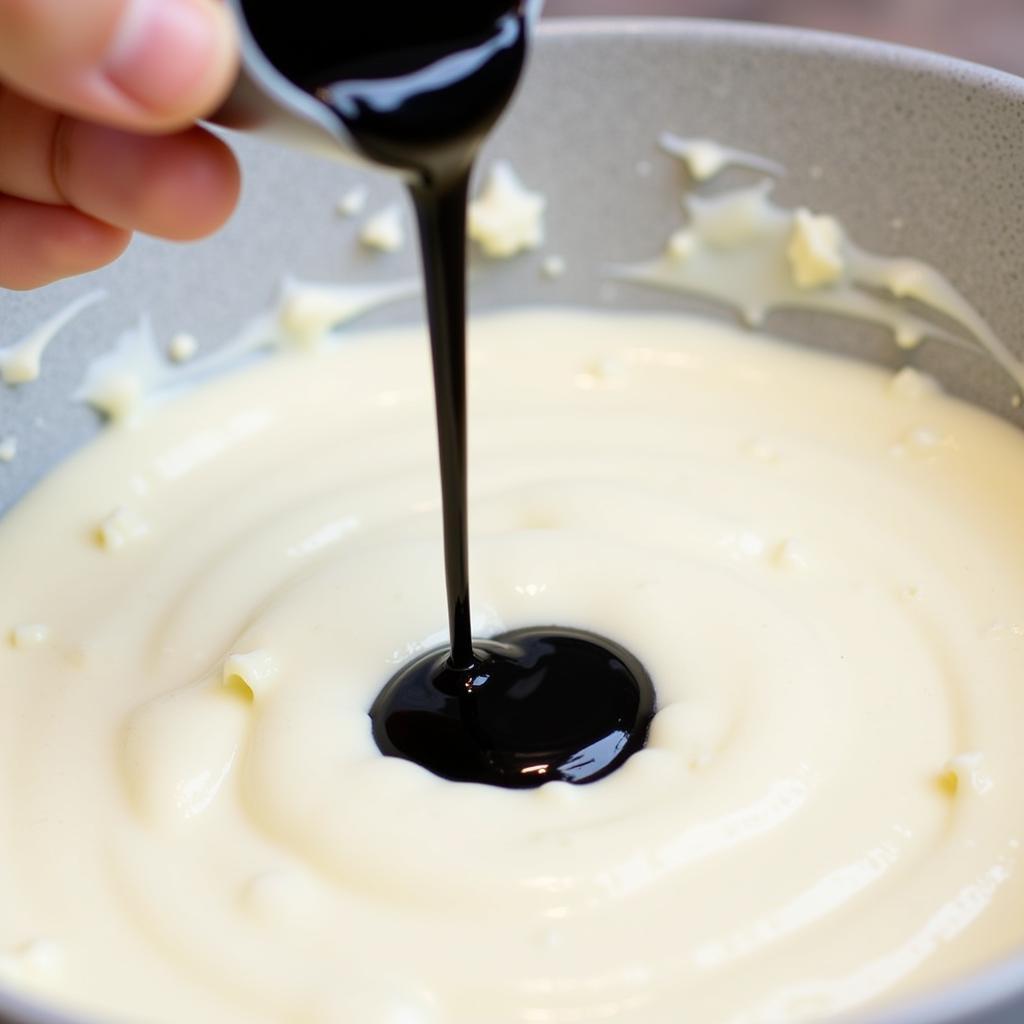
<point>148,65</point>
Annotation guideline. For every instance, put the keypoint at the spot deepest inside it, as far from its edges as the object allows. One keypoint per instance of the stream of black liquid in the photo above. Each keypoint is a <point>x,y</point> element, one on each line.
<point>419,86</point>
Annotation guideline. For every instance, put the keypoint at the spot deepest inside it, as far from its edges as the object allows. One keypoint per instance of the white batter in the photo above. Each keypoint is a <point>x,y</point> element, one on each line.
<point>821,565</point>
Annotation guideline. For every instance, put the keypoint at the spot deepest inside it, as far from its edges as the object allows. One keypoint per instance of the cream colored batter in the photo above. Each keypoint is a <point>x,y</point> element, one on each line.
<point>821,565</point>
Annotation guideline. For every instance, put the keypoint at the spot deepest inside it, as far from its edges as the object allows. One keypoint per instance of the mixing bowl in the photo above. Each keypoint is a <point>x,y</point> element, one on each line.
<point>917,154</point>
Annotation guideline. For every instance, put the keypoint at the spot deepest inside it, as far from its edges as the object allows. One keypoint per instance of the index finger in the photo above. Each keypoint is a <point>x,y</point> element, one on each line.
<point>146,65</point>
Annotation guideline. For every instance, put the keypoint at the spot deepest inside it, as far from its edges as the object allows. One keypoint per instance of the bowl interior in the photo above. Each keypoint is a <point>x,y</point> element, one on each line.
<point>917,155</point>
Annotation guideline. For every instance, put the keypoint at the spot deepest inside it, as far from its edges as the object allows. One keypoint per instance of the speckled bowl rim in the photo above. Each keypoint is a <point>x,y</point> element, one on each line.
<point>998,988</point>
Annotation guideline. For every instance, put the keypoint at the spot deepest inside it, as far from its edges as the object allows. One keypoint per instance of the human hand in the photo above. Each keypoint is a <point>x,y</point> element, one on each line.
<point>97,104</point>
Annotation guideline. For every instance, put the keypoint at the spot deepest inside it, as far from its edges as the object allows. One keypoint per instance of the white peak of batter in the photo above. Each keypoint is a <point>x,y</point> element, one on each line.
<point>553,266</point>
<point>815,249</point>
<point>123,526</point>
<point>21,362</point>
<point>385,230</point>
<point>705,158</point>
<point>506,218</point>
<point>255,671</point>
<point>116,382</point>
<point>182,347</point>
<point>353,202</point>
<point>308,312</point>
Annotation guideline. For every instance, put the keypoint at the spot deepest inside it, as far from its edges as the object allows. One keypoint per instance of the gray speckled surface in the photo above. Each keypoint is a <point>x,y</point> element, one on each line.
<point>872,133</point>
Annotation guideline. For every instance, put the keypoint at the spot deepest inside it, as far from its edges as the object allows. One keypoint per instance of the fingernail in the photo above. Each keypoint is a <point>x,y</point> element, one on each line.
<point>166,54</point>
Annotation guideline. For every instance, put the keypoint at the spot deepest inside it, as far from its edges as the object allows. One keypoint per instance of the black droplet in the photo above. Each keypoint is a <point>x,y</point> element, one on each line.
<point>539,705</point>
